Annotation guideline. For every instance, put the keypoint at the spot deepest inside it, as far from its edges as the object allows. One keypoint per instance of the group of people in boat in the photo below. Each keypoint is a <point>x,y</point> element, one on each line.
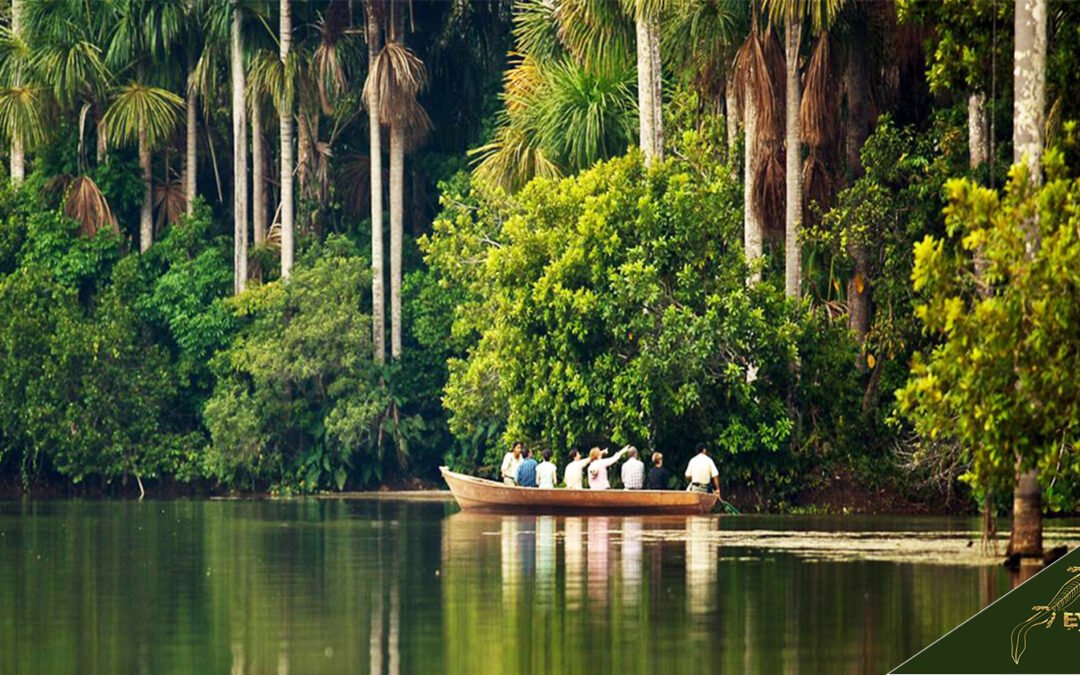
<point>520,468</point>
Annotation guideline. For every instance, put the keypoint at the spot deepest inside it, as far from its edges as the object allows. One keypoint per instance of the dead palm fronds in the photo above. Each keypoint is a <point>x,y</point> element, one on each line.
<point>170,203</point>
<point>86,205</point>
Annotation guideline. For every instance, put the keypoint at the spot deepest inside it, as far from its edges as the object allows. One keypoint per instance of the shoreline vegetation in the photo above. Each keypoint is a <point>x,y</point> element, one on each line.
<point>294,247</point>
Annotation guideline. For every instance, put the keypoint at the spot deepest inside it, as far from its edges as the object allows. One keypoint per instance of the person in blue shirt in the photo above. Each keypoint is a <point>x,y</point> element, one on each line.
<point>526,475</point>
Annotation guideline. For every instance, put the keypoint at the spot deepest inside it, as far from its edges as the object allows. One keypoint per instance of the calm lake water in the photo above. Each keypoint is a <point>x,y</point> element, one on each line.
<point>329,586</point>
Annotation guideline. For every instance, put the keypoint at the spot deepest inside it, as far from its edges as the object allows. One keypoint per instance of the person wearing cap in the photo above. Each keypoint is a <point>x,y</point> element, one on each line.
<point>701,470</point>
<point>633,471</point>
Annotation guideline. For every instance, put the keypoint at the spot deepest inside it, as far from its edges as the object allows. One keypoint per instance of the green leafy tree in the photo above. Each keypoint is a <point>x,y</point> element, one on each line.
<point>1001,381</point>
<point>297,401</point>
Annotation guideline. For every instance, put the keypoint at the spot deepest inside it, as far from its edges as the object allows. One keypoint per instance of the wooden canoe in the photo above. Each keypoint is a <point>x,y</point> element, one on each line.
<point>477,494</point>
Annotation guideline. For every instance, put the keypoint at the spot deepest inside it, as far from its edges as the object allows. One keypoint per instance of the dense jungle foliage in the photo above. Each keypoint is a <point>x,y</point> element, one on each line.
<point>561,238</point>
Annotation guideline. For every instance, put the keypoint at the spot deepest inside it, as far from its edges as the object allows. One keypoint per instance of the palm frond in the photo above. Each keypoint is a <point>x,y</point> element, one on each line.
<point>136,106</point>
<point>86,205</point>
<point>75,70</point>
<point>396,76</point>
<point>819,13</point>
<point>598,33</point>
<point>511,160</point>
<point>586,117</point>
<point>817,110</point>
<point>22,114</point>
<point>536,30</point>
<point>170,203</point>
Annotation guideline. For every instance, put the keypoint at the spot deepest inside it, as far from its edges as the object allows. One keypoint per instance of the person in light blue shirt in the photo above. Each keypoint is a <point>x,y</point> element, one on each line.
<point>526,475</point>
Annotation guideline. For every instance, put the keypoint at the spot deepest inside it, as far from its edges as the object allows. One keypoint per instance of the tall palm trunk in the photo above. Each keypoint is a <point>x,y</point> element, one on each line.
<point>258,178</point>
<point>378,297</point>
<point>752,231</point>
<point>146,210</point>
<point>191,139</point>
<point>240,158</point>
<point>285,115</point>
<point>856,133</point>
<point>1029,100</point>
<point>397,226</point>
<point>793,157</point>
<point>977,137</point>
<point>18,156</point>
<point>650,116</point>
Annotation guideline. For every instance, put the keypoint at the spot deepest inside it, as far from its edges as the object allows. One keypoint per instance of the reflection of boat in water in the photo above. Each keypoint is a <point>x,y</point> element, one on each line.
<point>485,495</point>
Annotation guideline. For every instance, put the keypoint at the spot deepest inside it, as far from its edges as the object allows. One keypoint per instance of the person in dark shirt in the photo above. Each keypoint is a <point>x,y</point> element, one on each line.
<point>659,478</point>
<point>526,475</point>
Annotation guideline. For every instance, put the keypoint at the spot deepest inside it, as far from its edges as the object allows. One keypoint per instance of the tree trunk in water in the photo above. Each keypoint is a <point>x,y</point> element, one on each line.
<point>378,298</point>
<point>146,211</point>
<point>258,178</point>
<point>793,166</point>
<point>1029,99</point>
<point>1025,539</point>
<point>18,156</point>
<point>397,214</point>
<point>752,230</point>
<point>857,131</point>
<point>285,115</point>
<point>191,138</point>
<point>650,122</point>
<point>240,158</point>
<point>977,137</point>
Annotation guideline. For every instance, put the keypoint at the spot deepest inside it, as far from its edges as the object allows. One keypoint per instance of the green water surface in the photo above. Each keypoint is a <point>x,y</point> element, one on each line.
<point>337,586</point>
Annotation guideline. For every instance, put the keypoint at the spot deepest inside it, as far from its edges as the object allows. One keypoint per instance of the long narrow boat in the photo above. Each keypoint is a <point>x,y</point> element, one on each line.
<point>477,494</point>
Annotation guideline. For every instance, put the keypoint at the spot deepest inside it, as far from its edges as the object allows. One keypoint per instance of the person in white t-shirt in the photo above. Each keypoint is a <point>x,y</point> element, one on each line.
<point>572,475</point>
<point>701,470</point>
<point>546,474</point>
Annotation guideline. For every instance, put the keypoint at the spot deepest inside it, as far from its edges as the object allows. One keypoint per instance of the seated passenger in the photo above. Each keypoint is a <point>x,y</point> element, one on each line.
<point>526,475</point>
<point>546,474</point>
<point>573,474</point>
<point>633,471</point>
<point>659,478</point>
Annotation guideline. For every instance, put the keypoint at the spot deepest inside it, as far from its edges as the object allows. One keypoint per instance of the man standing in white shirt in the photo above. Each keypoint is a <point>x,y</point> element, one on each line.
<point>546,474</point>
<point>510,464</point>
<point>572,476</point>
<point>702,470</point>
<point>633,471</point>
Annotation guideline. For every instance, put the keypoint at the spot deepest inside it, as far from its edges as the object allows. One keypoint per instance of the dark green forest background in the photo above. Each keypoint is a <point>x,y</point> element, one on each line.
<point>559,285</point>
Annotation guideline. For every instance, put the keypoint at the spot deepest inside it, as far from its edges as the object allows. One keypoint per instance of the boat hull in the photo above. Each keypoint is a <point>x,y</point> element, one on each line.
<point>477,494</point>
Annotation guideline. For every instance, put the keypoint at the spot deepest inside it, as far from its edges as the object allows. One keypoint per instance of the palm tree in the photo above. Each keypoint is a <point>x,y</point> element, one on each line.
<point>1029,101</point>
<point>240,150</point>
<point>18,157</point>
<point>397,76</point>
<point>756,71</point>
<point>792,14</point>
<point>148,116</point>
<point>285,114</point>
<point>649,78</point>
<point>191,157</point>
<point>143,37</point>
<point>371,100</point>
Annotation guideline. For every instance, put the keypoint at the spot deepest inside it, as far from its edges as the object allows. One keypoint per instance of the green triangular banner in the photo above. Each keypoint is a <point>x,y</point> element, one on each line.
<point>1034,628</point>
